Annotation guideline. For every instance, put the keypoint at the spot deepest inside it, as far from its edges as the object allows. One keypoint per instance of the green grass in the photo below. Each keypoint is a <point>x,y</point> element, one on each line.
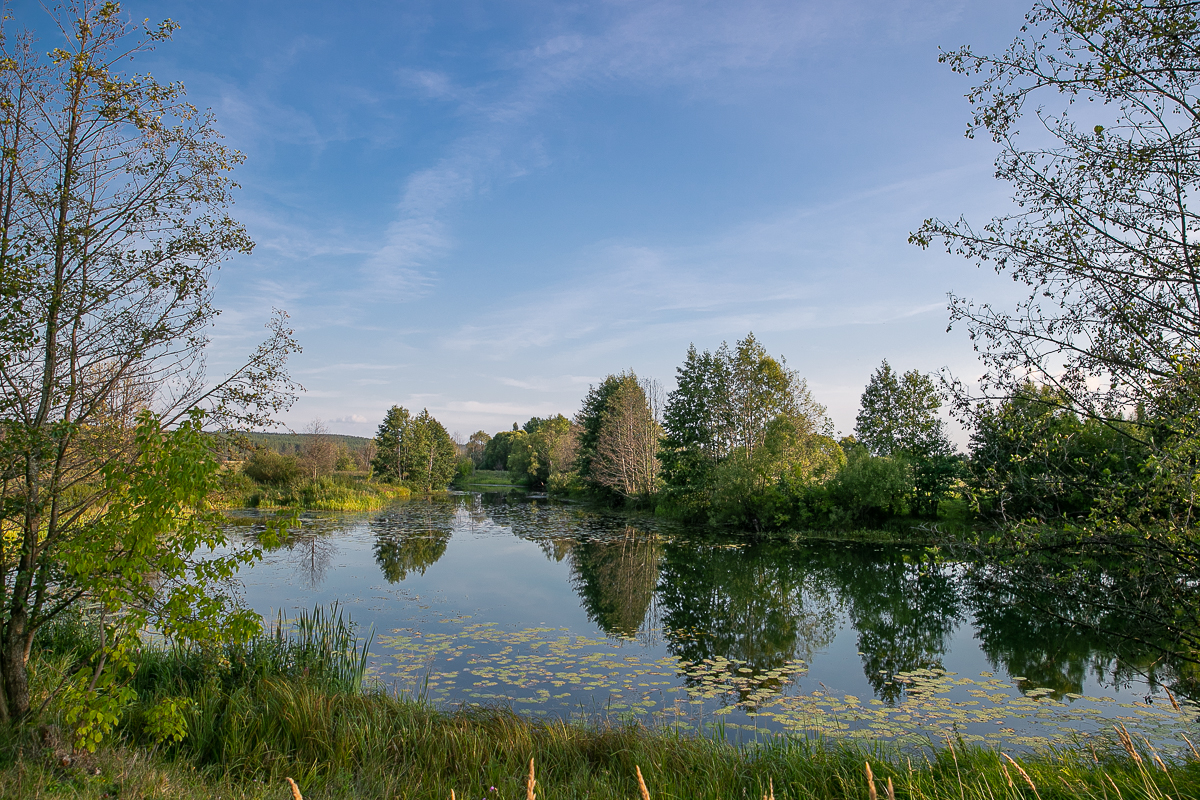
<point>488,477</point>
<point>289,704</point>
<point>340,492</point>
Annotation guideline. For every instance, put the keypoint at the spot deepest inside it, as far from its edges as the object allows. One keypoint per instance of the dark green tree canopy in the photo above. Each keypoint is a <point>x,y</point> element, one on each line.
<point>899,414</point>
<point>391,441</point>
<point>416,450</point>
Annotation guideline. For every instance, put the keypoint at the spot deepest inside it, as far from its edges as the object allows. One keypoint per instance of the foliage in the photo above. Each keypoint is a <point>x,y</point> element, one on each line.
<point>320,455</point>
<point>624,458</point>
<point>542,450</point>
<point>590,419</point>
<point>391,443</point>
<point>114,194</point>
<point>477,446</point>
<point>329,493</point>
<point>729,406</point>
<point>268,466</point>
<point>899,414</point>
<point>497,449</point>
<point>431,453</point>
<point>869,489</point>
<point>415,450</point>
<point>1101,240</point>
<point>153,523</point>
<point>1034,460</point>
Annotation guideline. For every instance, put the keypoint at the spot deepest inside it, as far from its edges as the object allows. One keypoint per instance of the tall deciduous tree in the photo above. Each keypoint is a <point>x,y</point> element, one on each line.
<point>727,403</point>
<point>114,196</point>
<point>431,453</point>
<point>543,449</point>
<point>320,454</point>
<point>416,450</point>
<point>1103,236</point>
<point>1103,239</point>
<point>626,459</point>
<point>476,446</point>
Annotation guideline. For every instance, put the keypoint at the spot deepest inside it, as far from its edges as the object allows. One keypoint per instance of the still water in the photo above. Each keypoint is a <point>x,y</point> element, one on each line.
<point>560,611</point>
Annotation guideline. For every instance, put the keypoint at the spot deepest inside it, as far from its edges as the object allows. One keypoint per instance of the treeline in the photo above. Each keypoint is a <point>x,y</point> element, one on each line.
<point>741,441</point>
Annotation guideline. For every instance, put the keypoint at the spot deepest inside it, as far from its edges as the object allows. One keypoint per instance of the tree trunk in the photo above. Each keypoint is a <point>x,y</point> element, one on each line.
<point>13,671</point>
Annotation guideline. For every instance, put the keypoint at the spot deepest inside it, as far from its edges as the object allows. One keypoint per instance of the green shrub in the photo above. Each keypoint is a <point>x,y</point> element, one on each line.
<point>869,489</point>
<point>267,466</point>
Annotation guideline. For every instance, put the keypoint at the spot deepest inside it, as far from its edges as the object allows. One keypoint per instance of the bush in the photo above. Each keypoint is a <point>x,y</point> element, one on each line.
<point>267,466</point>
<point>869,489</point>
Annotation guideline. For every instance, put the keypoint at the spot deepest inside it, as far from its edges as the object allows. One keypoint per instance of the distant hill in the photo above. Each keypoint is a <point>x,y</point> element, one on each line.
<point>292,444</point>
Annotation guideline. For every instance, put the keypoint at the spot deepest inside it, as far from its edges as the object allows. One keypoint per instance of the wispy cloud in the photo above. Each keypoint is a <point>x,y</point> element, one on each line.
<point>635,43</point>
<point>556,384</point>
<point>806,268</point>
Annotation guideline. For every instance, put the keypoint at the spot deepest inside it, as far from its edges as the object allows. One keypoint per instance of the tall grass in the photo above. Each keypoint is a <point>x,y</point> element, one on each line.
<point>324,493</point>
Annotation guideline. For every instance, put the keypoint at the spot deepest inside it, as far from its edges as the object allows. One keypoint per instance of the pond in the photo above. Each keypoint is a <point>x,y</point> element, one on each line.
<point>556,610</point>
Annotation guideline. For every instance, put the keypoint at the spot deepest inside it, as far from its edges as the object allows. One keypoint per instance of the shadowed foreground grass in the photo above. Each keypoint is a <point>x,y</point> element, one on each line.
<point>340,746</point>
<point>290,705</point>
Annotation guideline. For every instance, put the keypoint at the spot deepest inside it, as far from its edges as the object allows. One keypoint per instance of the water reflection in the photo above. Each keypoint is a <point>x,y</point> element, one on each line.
<point>768,603</point>
<point>411,542</point>
<point>616,579</point>
<point>311,553</point>
<point>905,606</point>
<point>749,603</point>
<point>1050,630</point>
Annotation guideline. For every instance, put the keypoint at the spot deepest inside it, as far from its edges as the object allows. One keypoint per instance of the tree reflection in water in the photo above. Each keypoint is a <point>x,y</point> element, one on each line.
<point>412,540</point>
<point>615,579</point>
<point>905,605</point>
<point>1047,621</point>
<point>310,554</point>
<point>752,603</point>
<point>769,602</point>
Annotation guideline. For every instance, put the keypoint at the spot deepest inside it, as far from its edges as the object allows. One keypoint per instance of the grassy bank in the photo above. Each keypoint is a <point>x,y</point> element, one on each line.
<point>338,492</point>
<point>483,478</point>
<point>290,705</point>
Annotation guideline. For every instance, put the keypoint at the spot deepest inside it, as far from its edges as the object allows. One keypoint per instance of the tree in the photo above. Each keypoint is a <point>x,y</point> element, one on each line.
<point>589,419</point>
<point>726,404</point>
<point>320,454</point>
<point>114,196</point>
<point>1102,236</point>
<point>626,456</point>
<point>1033,458</point>
<point>544,449</point>
<point>476,446</point>
<point>267,466</point>
<point>391,442</point>
<point>416,450</point>
<point>899,414</point>
<point>432,456</point>
<point>1102,239</point>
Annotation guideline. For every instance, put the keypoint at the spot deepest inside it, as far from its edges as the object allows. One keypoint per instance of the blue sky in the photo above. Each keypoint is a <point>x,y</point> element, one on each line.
<point>484,207</point>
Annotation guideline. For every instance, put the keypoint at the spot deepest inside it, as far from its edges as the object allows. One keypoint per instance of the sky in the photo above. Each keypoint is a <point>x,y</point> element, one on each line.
<point>482,208</point>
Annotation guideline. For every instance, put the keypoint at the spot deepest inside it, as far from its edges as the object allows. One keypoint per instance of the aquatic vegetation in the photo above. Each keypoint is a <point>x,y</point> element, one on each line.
<point>543,671</point>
